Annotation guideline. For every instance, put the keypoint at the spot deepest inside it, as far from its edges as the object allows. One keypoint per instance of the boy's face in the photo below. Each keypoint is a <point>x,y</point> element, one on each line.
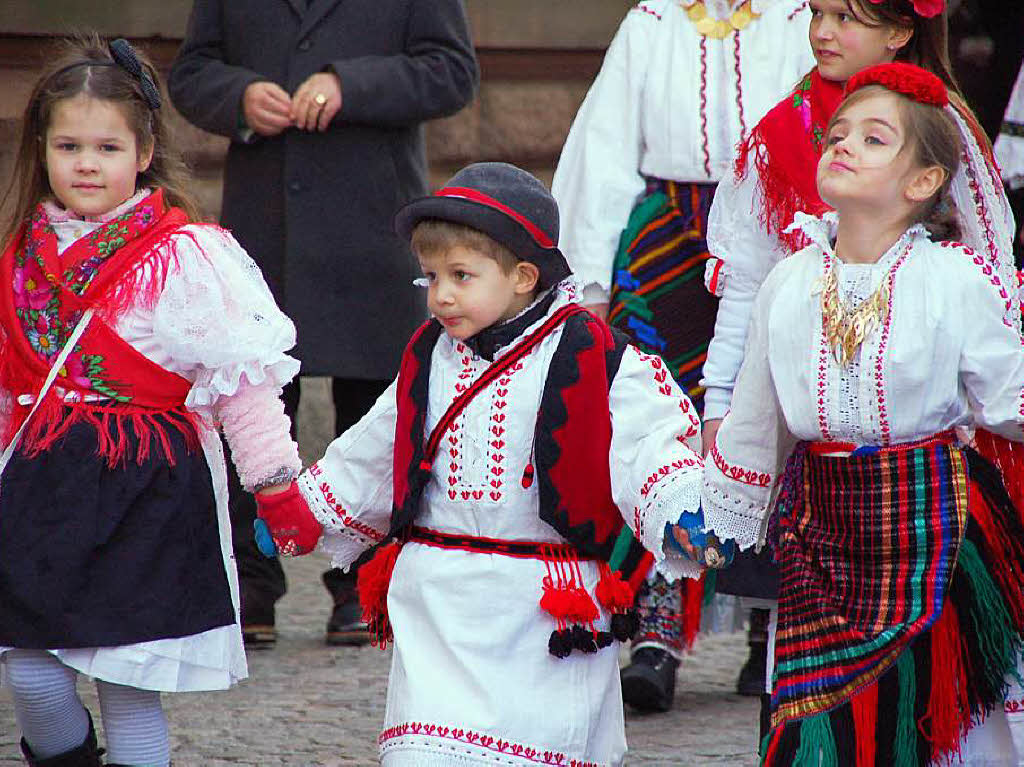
<point>468,291</point>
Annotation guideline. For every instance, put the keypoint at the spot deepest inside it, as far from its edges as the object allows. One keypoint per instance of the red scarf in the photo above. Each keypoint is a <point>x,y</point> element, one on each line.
<point>785,148</point>
<point>43,294</point>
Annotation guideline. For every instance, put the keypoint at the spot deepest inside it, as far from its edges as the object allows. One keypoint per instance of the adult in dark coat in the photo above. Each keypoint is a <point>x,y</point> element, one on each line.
<point>324,101</point>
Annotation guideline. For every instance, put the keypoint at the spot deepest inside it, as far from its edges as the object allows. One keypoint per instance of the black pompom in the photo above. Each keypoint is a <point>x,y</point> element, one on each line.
<point>560,643</point>
<point>604,639</point>
<point>583,639</point>
<point>625,625</point>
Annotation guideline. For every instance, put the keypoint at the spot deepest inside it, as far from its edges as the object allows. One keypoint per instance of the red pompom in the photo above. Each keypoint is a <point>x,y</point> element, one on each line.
<point>556,601</point>
<point>908,80</point>
<point>614,594</point>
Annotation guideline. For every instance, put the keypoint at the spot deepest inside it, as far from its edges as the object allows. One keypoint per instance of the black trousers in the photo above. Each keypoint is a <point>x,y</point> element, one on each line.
<point>262,579</point>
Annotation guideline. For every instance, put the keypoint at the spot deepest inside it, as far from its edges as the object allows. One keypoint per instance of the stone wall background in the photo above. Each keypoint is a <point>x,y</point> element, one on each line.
<point>537,59</point>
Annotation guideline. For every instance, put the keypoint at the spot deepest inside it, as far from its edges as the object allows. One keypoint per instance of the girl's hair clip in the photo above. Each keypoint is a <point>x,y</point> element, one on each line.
<point>124,54</point>
<point>421,282</point>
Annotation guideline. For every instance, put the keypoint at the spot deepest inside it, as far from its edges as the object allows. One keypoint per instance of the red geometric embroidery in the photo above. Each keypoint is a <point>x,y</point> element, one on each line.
<point>738,473</point>
<point>340,512</point>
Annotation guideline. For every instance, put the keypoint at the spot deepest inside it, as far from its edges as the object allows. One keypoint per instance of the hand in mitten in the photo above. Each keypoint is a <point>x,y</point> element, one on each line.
<point>687,537</point>
<point>289,521</point>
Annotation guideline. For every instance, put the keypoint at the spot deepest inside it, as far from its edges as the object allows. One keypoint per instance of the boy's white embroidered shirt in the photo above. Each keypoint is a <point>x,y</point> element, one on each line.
<point>470,623</point>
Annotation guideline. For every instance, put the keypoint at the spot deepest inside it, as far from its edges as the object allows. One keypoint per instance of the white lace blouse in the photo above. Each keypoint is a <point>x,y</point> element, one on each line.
<point>944,357</point>
<point>671,104</point>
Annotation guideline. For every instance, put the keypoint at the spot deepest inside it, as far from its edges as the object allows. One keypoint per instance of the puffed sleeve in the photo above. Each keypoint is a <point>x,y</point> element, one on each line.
<point>217,320</point>
<point>750,450</point>
<point>992,358</point>
<point>743,253</point>
<point>655,459</point>
<point>350,489</point>
<point>597,181</point>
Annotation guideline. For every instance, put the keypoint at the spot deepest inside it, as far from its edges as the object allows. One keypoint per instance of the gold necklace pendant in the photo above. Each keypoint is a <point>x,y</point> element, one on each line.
<point>719,29</point>
<point>846,329</point>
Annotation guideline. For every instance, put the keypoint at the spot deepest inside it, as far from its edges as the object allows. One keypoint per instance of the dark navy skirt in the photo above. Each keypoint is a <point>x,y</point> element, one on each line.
<point>92,556</point>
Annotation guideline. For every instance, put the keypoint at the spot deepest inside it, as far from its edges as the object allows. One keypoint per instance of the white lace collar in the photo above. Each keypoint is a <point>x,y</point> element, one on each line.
<point>58,214</point>
<point>821,231</point>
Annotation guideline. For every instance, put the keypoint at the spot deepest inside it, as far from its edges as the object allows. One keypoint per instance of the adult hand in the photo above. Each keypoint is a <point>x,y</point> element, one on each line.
<point>708,434</point>
<point>601,310</point>
<point>316,101</point>
<point>266,107</point>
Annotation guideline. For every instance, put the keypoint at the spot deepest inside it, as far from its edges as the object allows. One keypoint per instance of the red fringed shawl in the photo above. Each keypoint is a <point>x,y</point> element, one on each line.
<point>785,148</point>
<point>105,381</point>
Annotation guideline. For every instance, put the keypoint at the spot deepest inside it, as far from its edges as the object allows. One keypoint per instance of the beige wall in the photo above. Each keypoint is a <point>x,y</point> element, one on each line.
<point>537,57</point>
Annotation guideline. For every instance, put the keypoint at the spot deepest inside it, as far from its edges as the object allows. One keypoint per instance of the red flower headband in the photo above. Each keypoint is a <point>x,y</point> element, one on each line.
<point>924,8</point>
<point>911,81</point>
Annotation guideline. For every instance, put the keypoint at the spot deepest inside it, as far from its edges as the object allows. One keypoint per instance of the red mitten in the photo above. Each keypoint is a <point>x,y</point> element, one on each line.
<point>292,525</point>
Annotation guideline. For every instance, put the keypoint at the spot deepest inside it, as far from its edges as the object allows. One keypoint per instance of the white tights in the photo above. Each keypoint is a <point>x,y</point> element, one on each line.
<point>53,720</point>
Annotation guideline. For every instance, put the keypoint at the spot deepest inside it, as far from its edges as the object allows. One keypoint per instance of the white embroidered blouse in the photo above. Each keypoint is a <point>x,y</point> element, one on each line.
<point>945,356</point>
<point>668,103</point>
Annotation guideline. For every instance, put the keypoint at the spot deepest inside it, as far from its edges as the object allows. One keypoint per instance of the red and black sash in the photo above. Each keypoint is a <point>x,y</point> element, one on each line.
<point>105,381</point>
<point>571,441</point>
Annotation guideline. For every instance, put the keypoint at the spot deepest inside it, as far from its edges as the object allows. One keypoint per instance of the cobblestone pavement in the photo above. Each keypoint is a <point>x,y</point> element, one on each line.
<point>308,705</point>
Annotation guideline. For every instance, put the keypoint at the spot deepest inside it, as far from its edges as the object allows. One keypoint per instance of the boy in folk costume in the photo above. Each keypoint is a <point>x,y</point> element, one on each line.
<point>527,460</point>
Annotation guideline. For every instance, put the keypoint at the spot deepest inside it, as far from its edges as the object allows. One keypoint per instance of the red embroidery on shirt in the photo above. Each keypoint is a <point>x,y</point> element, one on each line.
<point>738,473</point>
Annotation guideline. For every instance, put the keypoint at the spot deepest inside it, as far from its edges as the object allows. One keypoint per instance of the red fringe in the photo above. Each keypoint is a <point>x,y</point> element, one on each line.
<point>865,720</point>
<point>563,595</point>
<point>372,583</point>
<point>1009,458</point>
<point>949,715</point>
<point>693,600</point>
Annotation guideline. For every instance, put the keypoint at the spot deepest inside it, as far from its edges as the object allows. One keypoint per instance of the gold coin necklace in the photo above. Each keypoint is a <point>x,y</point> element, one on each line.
<point>718,29</point>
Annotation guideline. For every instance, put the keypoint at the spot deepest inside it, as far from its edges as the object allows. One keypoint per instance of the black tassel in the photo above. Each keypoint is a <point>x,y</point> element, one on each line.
<point>625,625</point>
<point>604,639</point>
<point>560,643</point>
<point>583,639</point>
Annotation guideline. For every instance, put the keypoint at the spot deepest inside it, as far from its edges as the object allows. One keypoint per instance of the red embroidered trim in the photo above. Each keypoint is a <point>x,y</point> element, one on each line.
<point>823,355</point>
<point>649,12</point>
<point>739,474</point>
<point>704,103</point>
<point>474,196</point>
<point>883,412</point>
<point>340,512</point>
<point>667,471</point>
<point>498,745</point>
<point>739,90</point>
<point>797,10</point>
<point>1014,706</point>
<point>713,285</point>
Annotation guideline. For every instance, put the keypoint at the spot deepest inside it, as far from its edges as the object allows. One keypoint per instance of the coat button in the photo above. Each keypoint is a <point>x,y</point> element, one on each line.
<point>295,186</point>
<point>305,45</point>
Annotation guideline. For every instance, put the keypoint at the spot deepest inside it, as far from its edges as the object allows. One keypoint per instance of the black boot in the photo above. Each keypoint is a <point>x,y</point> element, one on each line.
<point>346,625</point>
<point>85,755</point>
<point>751,680</point>
<point>649,681</point>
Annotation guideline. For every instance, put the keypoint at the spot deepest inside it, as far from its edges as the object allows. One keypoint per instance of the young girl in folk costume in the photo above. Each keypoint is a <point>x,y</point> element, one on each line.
<point>518,428</point>
<point>902,554</point>
<point>128,332</point>
<point>682,82</point>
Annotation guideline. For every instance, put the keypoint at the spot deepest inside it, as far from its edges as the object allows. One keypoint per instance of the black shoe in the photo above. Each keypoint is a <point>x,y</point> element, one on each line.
<point>649,681</point>
<point>751,680</point>
<point>346,626</point>
<point>85,755</point>
<point>258,632</point>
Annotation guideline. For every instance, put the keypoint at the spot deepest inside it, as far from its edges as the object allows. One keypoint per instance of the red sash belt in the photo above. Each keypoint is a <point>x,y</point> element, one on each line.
<point>543,550</point>
<point>947,437</point>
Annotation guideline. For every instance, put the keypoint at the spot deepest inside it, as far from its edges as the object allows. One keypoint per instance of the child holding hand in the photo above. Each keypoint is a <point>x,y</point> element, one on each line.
<point>901,553</point>
<point>127,333</point>
<point>528,462</point>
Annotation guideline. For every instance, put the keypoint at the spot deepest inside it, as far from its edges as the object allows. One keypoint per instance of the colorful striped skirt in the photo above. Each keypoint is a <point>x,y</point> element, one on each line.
<point>901,611</point>
<point>658,296</point>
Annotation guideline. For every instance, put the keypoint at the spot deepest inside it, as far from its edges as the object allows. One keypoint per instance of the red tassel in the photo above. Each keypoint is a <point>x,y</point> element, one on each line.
<point>614,594</point>
<point>865,720</point>
<point>693,600</point>
<point>556,600</point>
<point>372,582</point>
<point>948,716</point>
<point>583,608</point>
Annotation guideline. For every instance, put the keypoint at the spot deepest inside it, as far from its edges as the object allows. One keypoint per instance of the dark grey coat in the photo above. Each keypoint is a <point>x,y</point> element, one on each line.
<point>315,210</point>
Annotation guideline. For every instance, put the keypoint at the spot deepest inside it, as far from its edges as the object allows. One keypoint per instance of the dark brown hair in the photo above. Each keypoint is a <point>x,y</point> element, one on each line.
<point>928,46</point>
<point>930,133</point>
<point>68,74</point>
<point>435,235</point>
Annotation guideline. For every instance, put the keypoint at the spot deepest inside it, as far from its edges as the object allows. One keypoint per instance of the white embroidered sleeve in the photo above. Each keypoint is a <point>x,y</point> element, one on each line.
<point>655,455</point>
<point>217,319</point>
<point>992,358</point>
<point>742,469</point>
<point>350,489</point>
<point>747,253</point>
<point>597,181</point>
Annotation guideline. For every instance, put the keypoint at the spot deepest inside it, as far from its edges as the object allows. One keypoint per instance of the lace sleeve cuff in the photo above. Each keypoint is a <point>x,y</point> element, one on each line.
<point>666,499</point>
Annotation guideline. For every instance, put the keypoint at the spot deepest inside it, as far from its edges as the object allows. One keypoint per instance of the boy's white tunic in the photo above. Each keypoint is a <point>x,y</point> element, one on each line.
<point>472,681</point>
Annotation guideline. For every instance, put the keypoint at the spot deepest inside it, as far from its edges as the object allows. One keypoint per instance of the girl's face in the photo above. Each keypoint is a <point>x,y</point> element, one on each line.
<point>843,45</point>
<point>92,157</point>
<point>863,162</point>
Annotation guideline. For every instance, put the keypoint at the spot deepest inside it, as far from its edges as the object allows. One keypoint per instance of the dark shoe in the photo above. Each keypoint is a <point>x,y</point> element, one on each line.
<point>258,632</point>
<point>751,680</point>
<point>346,627</point>
<point>85,755</point>
<point>649,681</point>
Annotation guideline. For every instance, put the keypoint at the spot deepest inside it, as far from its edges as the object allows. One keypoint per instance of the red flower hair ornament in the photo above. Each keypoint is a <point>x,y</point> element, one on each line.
<point>924,8</point>
<point>911,81</point>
